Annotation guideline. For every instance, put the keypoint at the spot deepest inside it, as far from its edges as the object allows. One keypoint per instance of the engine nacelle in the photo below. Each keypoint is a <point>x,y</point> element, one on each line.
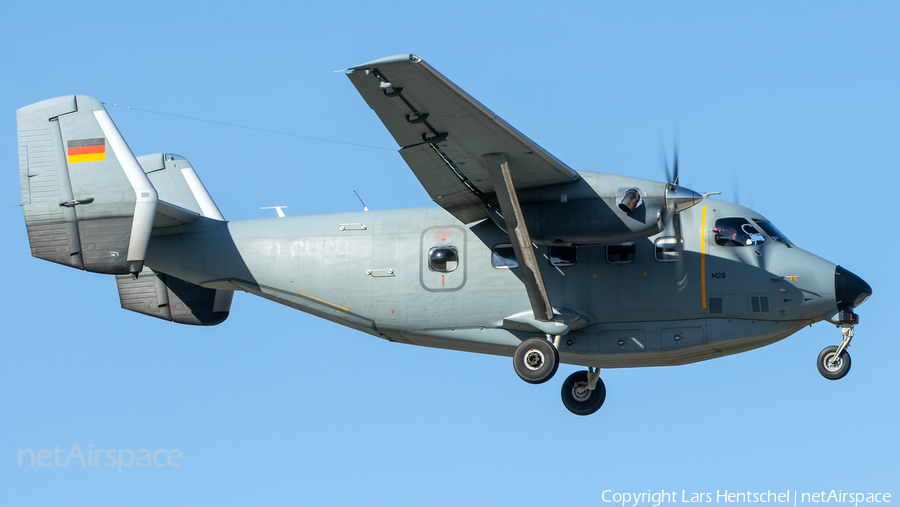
<point>586,212</point>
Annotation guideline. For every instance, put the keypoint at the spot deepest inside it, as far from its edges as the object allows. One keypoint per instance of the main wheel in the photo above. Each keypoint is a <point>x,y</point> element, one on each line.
<point>833,371</point>
<point>585,402</point>
<point>536,360</point>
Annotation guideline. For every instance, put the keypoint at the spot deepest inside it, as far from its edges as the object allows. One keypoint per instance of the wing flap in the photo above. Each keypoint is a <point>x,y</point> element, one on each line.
<point>444,186</point>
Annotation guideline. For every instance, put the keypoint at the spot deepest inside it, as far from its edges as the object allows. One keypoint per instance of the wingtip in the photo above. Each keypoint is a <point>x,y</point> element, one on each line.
<point>388,60</point>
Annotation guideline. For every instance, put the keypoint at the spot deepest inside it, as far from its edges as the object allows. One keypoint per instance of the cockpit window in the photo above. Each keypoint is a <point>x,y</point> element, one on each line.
<point>737,232</point>
<point>772,231</point>
<point>443,259</point>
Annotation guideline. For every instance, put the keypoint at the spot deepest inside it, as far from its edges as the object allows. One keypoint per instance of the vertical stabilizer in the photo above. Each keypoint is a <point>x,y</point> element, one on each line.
<point>87,202</point>
<point>169,298</point>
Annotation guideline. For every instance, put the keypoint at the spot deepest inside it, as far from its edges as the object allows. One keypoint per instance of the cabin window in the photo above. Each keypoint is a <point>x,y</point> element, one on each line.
<point>620,254</point>
<point>737,232</point>
<point>772,231</point>
<point>503,256</point>
<point>667,249</point>
<point>759,304</point>
<point>563,255</point>
<point>443,259</point>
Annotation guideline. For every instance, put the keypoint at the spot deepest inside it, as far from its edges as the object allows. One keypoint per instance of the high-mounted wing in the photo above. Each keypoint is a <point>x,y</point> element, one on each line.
<point>444,134</point>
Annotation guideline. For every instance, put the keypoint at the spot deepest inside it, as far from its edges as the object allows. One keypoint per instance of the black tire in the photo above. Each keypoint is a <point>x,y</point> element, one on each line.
<point>536,360</point>
<point>584,405</point>
<point>839,369</point>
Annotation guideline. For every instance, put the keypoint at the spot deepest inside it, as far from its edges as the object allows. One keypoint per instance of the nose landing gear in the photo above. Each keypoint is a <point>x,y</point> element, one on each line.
<point>834,362</point>
<point>583,393</point>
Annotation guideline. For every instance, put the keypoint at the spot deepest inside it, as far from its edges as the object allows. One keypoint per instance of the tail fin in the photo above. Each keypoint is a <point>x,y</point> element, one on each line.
<point>87,202</point>
<point>169,298</point>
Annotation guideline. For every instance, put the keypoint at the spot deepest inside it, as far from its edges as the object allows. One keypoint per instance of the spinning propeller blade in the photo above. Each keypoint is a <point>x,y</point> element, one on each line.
<point>678,199</point>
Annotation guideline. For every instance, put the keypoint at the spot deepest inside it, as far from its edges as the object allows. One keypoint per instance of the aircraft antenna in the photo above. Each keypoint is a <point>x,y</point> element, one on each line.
<point>277,209</point>
<point>235,125</point>
<point>361,201</point>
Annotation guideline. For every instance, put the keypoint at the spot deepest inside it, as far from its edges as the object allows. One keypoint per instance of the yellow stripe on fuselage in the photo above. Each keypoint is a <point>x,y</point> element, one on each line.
<point>87,157</point>
<point>323,301</point>
<point>703,257</point>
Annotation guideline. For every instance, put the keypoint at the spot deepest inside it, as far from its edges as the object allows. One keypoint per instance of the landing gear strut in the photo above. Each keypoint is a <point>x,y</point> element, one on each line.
<point>536,360</point>
<point>583,393</point>
<point>834,362</point>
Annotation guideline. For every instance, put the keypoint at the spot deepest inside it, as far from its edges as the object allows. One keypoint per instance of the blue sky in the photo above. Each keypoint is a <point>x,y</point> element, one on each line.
<point>795,104</point>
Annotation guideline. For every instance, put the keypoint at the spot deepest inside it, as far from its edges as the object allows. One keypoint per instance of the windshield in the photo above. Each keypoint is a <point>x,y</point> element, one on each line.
<point>736,231</point>
<point>772,231</point>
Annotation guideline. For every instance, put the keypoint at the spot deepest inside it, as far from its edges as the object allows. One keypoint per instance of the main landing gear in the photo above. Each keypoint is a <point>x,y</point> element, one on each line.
<point>536,361</point>
<point>834,362</point>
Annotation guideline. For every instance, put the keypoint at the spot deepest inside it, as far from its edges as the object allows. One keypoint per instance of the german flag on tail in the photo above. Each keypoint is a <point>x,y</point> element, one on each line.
<point>87,150</point>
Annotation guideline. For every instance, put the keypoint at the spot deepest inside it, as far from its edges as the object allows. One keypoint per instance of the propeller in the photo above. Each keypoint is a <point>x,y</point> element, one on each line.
<point>678,199</point>
<point>671,176</point>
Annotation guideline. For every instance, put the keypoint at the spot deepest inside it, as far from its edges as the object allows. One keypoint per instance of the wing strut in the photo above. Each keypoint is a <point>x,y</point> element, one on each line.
<point>519,237</point>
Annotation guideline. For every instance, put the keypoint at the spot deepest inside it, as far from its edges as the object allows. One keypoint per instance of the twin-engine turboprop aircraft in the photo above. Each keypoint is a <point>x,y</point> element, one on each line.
<point>526,257</point>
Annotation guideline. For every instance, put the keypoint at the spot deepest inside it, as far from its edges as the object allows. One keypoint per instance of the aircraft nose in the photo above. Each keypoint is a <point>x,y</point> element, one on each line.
<point>849,289</point>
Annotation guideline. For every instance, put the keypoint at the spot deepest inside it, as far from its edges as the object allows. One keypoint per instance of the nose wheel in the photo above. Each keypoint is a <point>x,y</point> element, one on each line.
<point>832,365</point>
<point>834,362</point>
<point>583,393</point>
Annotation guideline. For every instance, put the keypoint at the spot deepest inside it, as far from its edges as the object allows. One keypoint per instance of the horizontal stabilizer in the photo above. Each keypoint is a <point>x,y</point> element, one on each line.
<point>169,215</point>
<point>178,184</point>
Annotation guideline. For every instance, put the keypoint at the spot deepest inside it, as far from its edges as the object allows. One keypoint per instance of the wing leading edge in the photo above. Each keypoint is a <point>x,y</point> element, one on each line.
<point>444,134</point>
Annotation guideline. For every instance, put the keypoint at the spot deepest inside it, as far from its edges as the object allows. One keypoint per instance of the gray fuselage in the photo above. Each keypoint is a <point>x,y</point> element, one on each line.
<point>369,270</point>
